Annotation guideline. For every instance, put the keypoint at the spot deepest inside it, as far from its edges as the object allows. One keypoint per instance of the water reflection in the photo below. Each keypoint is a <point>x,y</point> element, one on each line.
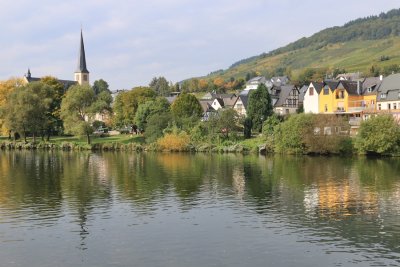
<point>349,205</point>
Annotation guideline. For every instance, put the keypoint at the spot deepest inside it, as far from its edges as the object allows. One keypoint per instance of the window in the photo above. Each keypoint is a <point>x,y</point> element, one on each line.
<point>85,77</point>
<point>287,111</point>
<point>388,106</point>
<point>383,95</point>
<point>311,91</point>
<point>394,105</point>
<point>326,90</point>
<point>369,90</point>
<point>379,106</point>
<point>326,108</point>
<point>327,131</point>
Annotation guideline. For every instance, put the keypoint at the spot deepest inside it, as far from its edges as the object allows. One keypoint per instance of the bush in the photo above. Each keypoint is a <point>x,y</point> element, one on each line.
<point>174,142</point>
<point>380,134</point>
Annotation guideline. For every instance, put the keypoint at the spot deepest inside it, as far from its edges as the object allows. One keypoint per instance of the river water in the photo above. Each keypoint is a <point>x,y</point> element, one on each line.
<point>128,209</point>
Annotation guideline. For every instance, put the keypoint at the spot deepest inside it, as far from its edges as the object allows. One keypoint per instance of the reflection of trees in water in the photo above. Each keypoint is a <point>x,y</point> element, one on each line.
<point>349,196</point>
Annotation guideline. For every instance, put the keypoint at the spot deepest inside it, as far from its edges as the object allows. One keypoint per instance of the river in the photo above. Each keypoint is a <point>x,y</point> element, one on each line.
<point>147,209</point>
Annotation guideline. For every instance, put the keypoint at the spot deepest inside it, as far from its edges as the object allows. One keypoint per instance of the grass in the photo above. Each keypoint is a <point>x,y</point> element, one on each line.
<point>353,56</point>
<point>121,139</point>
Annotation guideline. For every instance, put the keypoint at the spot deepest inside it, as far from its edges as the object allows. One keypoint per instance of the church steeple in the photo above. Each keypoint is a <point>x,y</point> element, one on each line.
<point>82,74</point>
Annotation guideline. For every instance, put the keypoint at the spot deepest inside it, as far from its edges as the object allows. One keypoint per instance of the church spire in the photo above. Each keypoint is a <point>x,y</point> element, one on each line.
<point>82,73</point>
<point>82,58</point>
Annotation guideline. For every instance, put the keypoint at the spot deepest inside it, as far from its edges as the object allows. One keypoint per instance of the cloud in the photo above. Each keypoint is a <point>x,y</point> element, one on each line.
<point>129,42</point>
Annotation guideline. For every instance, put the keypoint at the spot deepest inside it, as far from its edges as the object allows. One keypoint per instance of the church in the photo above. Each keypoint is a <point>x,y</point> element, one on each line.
<point>81,75</point>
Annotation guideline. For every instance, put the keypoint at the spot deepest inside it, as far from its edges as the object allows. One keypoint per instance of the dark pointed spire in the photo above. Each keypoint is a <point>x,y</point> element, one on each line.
<point>28,75</point>
<point>82,58</point>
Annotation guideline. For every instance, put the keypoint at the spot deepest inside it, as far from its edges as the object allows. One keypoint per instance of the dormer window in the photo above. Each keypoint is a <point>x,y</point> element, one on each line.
<point>383,96</point>
<point>369,90</point>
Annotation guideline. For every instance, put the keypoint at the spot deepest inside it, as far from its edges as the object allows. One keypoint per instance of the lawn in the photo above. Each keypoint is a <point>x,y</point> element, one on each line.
<point>122,139</point>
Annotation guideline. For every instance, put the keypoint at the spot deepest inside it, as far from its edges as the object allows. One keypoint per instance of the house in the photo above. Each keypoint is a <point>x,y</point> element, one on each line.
<point>388,95</point>
<point>241,104</point>
<point>208,110</point>
<point>253,83</point>
<point>277,81</point>
<point>288,100</point>
<point>311,97</point>
<point>349,76</point>
<point>302,92</point>
<point>326,97</point>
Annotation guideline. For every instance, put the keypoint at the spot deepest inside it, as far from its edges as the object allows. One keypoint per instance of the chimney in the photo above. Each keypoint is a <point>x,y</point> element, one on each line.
<point>359,87</point>
<point>381,77</point>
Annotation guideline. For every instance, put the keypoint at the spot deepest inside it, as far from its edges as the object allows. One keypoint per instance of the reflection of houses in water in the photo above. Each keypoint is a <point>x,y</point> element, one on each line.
<point>338,198</point>
<point>99,165</point>
<point>238,181</point>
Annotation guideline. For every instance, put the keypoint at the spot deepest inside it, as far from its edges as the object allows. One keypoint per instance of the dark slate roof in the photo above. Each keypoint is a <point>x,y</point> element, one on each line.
<point>317,86</point>
<point>66,83</point>
<point>391,82</point>
<point>391,87</point>
<point>302,93</point>
<point>245,99</point>
<point>82,58</point>
<point>371,82</point>
<point>284,94</point>
<point>206,105</point>
<point>351,87</point>
<point>332,84</point>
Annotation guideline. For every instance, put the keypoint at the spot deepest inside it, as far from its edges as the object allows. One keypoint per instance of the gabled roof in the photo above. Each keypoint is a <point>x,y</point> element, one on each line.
<point>317,86</point>
<point>371,83</point>
<point>206,105</point>
<point>244,99</point>
<point>351,87</point>
<point>284,94</point>
<point>258,79</point>
<point>390,86</point>
<point>303,91</point>
<point>332,84</point>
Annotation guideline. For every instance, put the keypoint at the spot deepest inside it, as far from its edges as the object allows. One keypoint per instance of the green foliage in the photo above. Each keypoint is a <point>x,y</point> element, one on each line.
<point>156,125</point>
<point>185,106</point>
<point>160,85</point>
<point>259,107</point>
<point>308,133</point>
<point>127,103</point>
<point>380,134</point>
<point>145,110</point>
<point>247,125</point>
<point>270,123</point>
<point>100,86</point>
<point>78,107</point>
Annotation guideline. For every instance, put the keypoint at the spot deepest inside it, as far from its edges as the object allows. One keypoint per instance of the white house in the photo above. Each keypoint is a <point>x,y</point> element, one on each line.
<point>311,98</point>
<point>252,84</point>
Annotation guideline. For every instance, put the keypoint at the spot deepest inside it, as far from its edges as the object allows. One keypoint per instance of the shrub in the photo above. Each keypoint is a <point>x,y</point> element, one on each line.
<point>380,134</point>
<point>174,142</point>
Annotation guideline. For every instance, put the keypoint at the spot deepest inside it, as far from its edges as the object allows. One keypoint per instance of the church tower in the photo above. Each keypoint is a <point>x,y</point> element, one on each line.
<point>82,74</point>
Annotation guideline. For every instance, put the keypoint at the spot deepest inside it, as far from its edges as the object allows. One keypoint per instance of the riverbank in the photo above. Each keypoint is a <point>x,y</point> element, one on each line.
<point>128,143</point>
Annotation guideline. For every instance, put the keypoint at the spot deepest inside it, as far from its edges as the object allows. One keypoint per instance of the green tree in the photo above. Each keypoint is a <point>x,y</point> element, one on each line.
<point>27,109</point>
<point>185,106</point>
<point>247,125</point>
<point>227,121</point>
<point>149,108</point>
<point>160,85</point>
<point>126,104</point>
<point>78,108</point>
<point>100,86</point>
<point>156,125</point>
<point>380,134</point>
<point>259,107</point>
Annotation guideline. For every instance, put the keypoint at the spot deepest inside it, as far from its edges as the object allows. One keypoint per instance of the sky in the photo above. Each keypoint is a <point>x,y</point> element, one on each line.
<point>128,42</point>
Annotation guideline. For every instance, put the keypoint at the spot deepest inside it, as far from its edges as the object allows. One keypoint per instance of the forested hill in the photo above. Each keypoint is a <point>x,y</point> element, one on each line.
<point>373,36</point>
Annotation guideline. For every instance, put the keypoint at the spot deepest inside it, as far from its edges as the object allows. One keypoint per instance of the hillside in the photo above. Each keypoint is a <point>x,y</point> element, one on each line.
<point>355,46</point>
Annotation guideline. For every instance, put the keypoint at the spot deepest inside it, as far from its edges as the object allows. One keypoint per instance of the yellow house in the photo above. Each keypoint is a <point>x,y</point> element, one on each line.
<point>326,97</point>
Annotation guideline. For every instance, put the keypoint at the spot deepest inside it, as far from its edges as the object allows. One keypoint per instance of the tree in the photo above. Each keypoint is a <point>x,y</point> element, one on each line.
<point>149,108</point>
<point>78,108</point>
<point>127,103</point>
<point>56,93</point>
<point>247,125</point>
<point>160,86</point>
<point>6,88</point>
<point>227,121</point>
<point>100,86</point>
<point>186,105</point>
<point>380,134</point>
<point>27,109</point>
<point>156,125</point>
<point>259,107</point>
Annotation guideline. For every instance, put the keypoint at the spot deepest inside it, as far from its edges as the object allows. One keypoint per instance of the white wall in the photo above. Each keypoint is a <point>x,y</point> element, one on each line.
<point>311,103</point>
